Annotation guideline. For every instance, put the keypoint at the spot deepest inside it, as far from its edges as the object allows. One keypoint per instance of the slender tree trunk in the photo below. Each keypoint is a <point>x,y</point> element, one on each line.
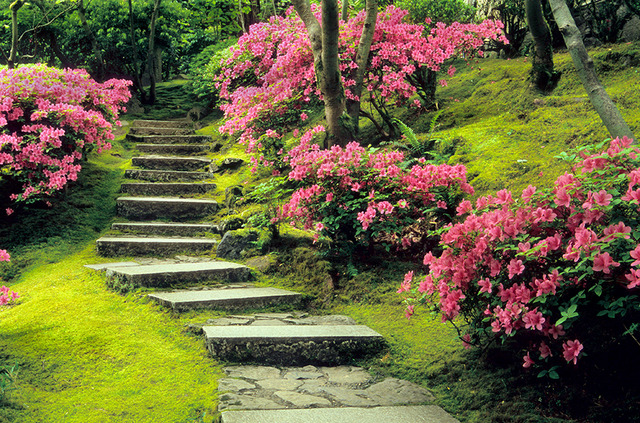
<point>13,54</point>
<point>345,10</point>
<point>362,59</point>
<point>151,55</point>
<point>92,38</point>
<point>599,98</point>
<point>55,48</point>
<point>543,75</point>
<point>137,74</point>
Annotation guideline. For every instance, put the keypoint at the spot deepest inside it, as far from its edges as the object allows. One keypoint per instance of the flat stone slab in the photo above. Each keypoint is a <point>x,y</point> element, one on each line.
<point>188,164</point>
<point>178,209</point>
<point>104,266</point>
<point>226,298</point>
<point>164,275</point>
<point>293,344</point>
<point>179,149</point>
<point>166,175</point>
<point>149,130</point>
<point>145,123</point>
<point>132,246</point>
<point>406,414</point>
<point>169,139</point>
<point>168,229</point>
<point>161,188</point>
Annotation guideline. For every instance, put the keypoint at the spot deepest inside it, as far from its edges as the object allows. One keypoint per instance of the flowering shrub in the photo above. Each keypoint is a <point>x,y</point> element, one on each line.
<point>48,119</point>
<point>271,73</point>
<point>7,296</point>
<point>549,268</point>
<point>355,197</point>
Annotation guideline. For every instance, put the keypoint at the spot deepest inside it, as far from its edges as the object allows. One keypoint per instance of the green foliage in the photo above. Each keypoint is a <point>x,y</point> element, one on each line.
<point>8,376</point>
<point>447,11</point>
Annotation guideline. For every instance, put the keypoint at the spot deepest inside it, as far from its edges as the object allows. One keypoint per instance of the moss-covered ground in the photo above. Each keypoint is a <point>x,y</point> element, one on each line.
<point>85,354</point>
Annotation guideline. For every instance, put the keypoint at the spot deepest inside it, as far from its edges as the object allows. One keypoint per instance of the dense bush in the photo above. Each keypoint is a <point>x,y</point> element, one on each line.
<point>355,197</point>
<point>270,78</point>
<point>550,269</point>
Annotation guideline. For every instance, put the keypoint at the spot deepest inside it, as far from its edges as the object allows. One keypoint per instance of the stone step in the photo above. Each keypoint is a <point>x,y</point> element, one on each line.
<point>171,163</point>
<point>144,130</point>
<point>229,298</point>
<point>166,229</point>
<point>162,247</point>
<point>161,123</point>
<point>293,344</point>
<point>169,139</point>
<point>151,208</point>
<point>165,275</point>
<point>399,414</point>
<point>178,149</point>
<point>166,175</point>
<point>176,189</point>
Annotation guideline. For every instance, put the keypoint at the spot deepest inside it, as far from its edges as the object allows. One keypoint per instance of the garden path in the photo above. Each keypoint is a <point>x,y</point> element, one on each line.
<point>289,367</point>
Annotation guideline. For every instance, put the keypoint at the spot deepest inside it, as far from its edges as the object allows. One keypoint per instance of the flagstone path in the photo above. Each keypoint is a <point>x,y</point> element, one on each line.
<point>283,367</point>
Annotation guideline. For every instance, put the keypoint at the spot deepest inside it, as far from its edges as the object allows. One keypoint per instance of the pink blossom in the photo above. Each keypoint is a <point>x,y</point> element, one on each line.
<point>528,362</point>
<point>406,284</point>
<point>571,350</point>
<point>602,262</point>
<point>515,267</point>
<point>4,255</point>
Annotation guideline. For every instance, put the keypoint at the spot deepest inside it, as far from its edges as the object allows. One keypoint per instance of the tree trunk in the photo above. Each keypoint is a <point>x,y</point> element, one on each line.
<point>362,59</point>
<point>599,98</point>
<point>543,75</point>
<point>13,54</point>
<point>55,48</point>
<point>345,10</point>
<point>137,74</point>
<point>94,43</point>
<point>152,62</point>
<point>324,45</point>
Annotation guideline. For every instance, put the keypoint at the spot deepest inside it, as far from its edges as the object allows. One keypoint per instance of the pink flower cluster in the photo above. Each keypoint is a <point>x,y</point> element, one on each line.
<point>271,69</point>
<point>48,119</point>
<point>7,296</point>
<point>529,264</point>
<point>368,190</point>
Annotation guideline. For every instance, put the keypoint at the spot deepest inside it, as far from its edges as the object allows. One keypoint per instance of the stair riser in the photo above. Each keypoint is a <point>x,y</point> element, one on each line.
<point>168,163</point>
<point>232,304</point>
<point>160,131</point>
<point>158,210</point>
<point>166,280</point>
<point>113,249</point>
<point>294,353</point>
<point>164,230</point>
<point>169,139</point>
<point>165,175</point>
<point>153,190</point>
<point>174,149</point>
<point>141,123</point>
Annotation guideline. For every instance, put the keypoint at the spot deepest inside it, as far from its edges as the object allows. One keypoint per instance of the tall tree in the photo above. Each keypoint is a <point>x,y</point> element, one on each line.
<point>542,70</point>
<point>97,53</point>
<point>152,60</point>
<point>324,45</point>
<point>13,54</point>
<point>599,98</point>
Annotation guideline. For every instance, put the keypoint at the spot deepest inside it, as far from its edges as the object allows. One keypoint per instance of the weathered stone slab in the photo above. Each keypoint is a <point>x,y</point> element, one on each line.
<point>178,149</point>
<point>160,188</point>
<point>178,209</point>
<point>104,266</point>
<point>407,414</point>
<point>226,298</point>
<point>393,391</point>
<point>144,123</point>
<point>169,139</point>
<point>293,344</point>
<point>253,372</point>
<point>246,402</point>
<point>147,130</point>
<point>166,175</point>
<point>162,247</point>
<point>187,164</point>
<point>162,275</point>
<point>299,400</point>
<point>167,229</point>
<point>236,385</point>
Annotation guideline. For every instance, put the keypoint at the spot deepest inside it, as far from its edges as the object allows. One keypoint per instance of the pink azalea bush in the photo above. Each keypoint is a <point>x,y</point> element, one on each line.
<point>49,118</point>
<point>355,196</point>
<point>549,268</point>
<point>269,80</point>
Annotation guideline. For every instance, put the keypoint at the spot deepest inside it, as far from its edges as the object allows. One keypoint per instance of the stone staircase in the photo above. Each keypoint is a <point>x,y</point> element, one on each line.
<point>287,367</point>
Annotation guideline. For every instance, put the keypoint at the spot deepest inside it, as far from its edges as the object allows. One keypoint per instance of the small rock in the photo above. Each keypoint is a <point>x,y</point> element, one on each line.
<point>261,263</point>
<point>300,374</point>
<point>302,400</point>
<point>234,243</point>
<point>279,384</point>
<point>253,372</point>
<point>345,375</point>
